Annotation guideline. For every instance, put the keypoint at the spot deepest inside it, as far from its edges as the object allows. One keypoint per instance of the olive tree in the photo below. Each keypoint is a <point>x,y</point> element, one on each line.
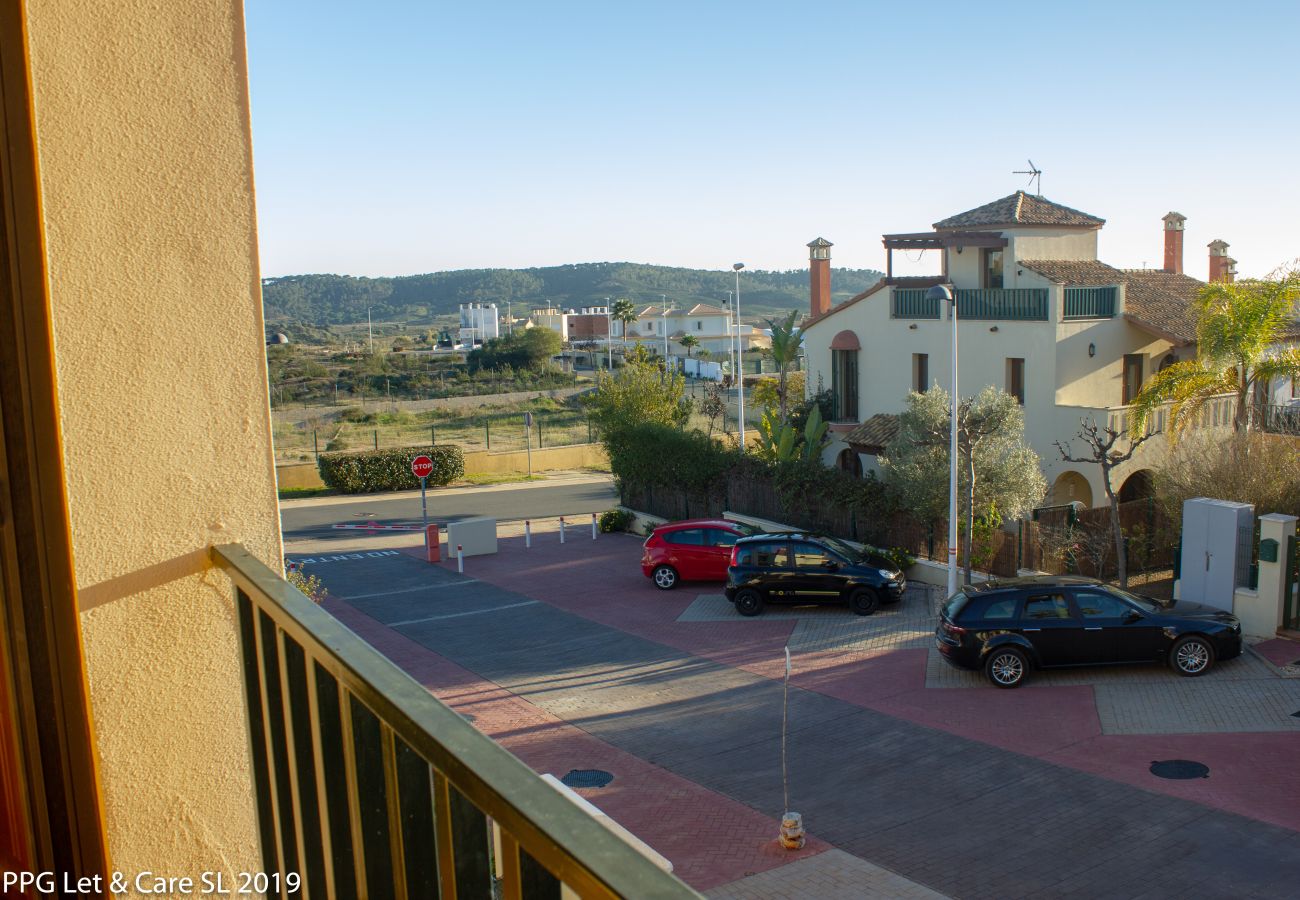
<point>998,474</point>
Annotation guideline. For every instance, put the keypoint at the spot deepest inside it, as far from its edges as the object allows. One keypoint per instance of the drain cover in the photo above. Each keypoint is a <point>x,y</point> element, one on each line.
<point>586,778</point>
<point>1179,768</point>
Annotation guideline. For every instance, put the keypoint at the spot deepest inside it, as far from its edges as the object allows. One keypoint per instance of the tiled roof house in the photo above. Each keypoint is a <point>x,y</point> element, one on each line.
<point>1038,316</point>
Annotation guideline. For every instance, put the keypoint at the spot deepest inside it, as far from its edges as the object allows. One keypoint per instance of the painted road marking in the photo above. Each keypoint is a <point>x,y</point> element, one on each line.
<point>344,557</point>
<point>422,587</point>
<point>473,612</point>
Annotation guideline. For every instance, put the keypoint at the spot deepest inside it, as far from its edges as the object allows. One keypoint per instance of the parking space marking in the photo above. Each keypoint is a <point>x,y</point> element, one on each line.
<point>472,612</point>
<point>344,557</point>
<point>419,587</point>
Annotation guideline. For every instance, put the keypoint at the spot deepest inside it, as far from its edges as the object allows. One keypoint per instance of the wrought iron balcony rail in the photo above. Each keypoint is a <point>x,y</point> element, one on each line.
<point>1089,303</point>
<point>1281,420</point>
<point>369,787</point>
<point>988,304</point>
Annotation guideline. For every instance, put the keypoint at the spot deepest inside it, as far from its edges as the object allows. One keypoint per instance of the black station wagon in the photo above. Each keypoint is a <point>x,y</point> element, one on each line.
<point>1007,627</point>
<point>809,568</point>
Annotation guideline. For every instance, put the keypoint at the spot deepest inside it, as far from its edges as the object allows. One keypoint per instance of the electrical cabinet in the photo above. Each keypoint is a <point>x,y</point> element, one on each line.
<point>1217,537</point>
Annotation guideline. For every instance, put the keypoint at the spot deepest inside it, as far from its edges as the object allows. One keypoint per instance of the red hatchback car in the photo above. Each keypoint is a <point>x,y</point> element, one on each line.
<point>694,550</point>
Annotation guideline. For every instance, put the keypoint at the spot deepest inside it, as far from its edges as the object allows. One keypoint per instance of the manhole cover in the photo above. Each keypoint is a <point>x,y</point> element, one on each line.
<point>586,778</point>
<point>1179,768</point>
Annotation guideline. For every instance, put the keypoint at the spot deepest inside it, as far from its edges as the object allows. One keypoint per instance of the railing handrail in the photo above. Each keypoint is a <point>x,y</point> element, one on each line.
<point>1089,302</point>
<point>580,851</point>
<point>987,304</point>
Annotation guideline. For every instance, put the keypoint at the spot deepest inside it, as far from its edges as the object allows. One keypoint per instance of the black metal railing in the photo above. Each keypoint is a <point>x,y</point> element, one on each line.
<point>1001,304</point>
<point>369,787</point>
<point>1281,419</point>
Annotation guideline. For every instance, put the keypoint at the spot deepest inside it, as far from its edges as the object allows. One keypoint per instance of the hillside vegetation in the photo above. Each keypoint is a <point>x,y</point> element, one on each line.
<point>342,299</point>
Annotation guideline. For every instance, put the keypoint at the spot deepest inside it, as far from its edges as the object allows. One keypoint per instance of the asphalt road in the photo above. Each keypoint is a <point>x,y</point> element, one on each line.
<point>315,520</point>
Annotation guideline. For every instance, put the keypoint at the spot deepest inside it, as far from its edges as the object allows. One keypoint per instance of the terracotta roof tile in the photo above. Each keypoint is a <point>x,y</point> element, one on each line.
<point>1163,302</point>
<point>1020,209</point>
<point>873,435</point>
<point>1080,272</point>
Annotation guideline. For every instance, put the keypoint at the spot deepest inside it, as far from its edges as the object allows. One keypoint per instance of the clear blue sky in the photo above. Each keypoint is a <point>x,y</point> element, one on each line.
<point>403,137</point>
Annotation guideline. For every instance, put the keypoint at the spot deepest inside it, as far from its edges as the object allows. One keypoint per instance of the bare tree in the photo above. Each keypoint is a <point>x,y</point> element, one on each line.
<point>1100,450</point>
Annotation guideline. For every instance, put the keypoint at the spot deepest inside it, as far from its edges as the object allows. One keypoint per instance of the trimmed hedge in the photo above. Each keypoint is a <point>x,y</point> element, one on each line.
<point>388,470</point>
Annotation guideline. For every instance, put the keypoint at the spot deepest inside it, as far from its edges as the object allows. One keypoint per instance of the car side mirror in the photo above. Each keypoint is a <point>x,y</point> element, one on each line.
<point>1132,617</point>
<point>830,565</point>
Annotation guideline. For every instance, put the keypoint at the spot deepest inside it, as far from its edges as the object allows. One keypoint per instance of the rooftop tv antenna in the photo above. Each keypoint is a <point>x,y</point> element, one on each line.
<point>1034,173</point>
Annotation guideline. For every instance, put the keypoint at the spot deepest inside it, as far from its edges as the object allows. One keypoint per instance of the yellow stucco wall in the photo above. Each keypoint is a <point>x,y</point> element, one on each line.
<point>146,173</point>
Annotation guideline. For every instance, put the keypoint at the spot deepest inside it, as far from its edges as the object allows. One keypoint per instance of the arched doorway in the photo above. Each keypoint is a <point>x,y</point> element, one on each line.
<point>848,461</point>
<point>1070,487</point>
<point>1138,486</point>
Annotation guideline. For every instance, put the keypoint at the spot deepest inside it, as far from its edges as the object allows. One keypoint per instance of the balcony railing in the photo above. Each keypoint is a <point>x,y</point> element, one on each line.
<point>369,787</point>
<point>1002,304</point>
<point>1218,412</point>
<point>911,303</point>
<point>1281,420</point>
<point>1089,303</point>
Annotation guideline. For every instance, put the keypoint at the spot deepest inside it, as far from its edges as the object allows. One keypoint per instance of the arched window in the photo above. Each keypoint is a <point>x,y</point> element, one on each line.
<point>844,376</point>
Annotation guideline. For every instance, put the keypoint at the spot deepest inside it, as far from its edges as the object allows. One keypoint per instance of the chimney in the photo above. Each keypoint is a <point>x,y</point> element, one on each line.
<point>819,275</point>
<point>1222,266</point>
<point>1174,223</point>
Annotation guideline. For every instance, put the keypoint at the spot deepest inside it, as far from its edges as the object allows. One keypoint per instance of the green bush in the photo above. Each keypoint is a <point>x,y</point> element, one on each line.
<point>612,520</point>
<point>388,470</point>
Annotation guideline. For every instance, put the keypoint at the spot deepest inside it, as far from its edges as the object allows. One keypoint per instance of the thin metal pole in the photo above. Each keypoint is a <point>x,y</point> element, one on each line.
<point>952,463</point>
<point>370,328</point>
<point>740,384</point>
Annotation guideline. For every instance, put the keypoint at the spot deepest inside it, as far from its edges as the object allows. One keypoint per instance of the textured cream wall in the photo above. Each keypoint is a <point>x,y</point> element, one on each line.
<point>145,154</point>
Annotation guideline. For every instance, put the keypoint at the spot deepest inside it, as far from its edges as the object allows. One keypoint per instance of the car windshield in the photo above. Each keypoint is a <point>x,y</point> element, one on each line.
<point>1150,604</point>
<point>843,550</point>
<point>953,607</point>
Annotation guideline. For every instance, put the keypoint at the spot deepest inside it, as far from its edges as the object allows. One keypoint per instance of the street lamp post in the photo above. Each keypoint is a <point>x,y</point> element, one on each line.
<point>740,381</point>
<point>665,326</point>
<point>370,328</point>
<point>941,292</point>
<point>609,334</point>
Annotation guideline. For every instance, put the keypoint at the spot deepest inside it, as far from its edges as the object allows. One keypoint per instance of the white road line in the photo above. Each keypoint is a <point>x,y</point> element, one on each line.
<point>423,587</point>
<point>473,612</point>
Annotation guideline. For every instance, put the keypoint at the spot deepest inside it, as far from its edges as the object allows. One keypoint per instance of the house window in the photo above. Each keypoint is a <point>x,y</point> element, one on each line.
<point>920,372</point>
<point>1016,379</point>
<point>844,384</point>
<point>699,326</point>
<point>992,267</point>
<point>1132,377</point>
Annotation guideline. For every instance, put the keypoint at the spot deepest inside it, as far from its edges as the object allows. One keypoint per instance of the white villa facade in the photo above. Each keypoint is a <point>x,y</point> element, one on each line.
<point>712,326</point>
<point>1038,316</point>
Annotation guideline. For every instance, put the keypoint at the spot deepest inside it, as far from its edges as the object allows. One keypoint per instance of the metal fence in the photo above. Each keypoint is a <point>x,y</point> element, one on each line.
<point>368,786</point>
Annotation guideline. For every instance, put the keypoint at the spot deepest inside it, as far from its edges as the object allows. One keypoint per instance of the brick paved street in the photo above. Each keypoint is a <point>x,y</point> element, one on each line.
<point>585,660</point>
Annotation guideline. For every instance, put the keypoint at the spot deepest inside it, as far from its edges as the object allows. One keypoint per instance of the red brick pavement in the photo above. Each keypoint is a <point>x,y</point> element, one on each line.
<point>710,839</point>
<point>1255,775</point>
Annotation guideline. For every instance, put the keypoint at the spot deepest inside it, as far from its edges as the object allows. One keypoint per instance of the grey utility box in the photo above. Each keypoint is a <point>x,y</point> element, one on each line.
<point>1216,550</point>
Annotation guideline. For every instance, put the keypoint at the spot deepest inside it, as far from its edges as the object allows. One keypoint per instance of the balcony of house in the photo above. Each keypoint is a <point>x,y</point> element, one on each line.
<point>1281,419</point>
<point>1079,303</point>
<point>974,304</point>
<point>370,787</point>
<point>1217,412</point>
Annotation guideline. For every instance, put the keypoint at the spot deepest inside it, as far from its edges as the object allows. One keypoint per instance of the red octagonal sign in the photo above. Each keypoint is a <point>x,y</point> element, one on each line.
<point>421,467</point>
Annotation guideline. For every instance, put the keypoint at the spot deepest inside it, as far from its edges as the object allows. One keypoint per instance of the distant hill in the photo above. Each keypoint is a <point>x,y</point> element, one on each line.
<point>343,299</point>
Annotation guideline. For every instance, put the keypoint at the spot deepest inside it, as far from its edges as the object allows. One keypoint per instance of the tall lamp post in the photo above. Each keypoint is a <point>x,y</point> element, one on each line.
<point>940,293</point>
<point>665,312</point>
<point>740,381</point>
<point>609,335</point>
<point>370,328</point>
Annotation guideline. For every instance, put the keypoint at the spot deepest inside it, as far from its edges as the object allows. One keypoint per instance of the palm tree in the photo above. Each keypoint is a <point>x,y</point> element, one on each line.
<point>787,341</point>
<point>1238,328</point>
<point>689,341</point>
<point>623,311</point>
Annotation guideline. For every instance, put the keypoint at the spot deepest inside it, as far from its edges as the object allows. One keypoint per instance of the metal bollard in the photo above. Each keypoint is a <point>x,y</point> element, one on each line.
<point>593,526</point>
<point>528,533</point>
<point>561,529</point>
<point>460,559</point>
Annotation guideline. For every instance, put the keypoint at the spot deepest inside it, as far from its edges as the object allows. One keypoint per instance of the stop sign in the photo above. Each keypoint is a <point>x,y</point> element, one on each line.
<point>421,467</point>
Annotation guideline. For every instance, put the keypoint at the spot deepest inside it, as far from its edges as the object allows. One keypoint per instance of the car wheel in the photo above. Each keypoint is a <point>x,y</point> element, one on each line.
<point>665,578</point>
<point>1007,667</point>
<point>749,602</point>
<point>1192,656</point>
<point>864,601</point>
